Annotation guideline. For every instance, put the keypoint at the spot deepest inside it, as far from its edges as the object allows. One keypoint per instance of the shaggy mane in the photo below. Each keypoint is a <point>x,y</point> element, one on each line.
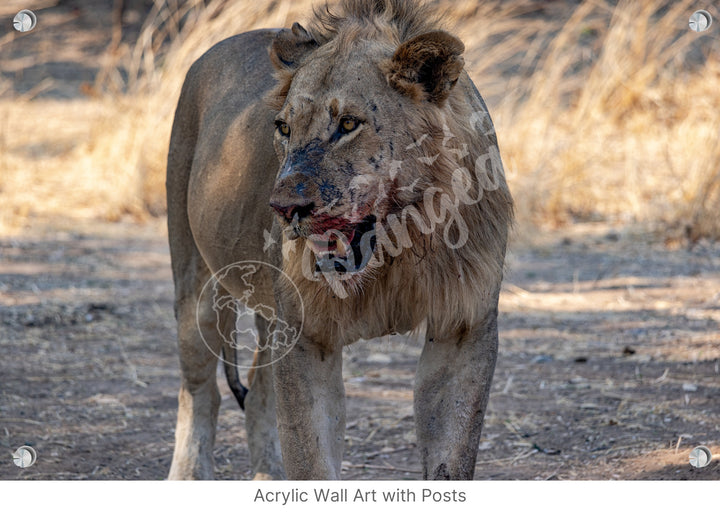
<point>349,20</point>
<point>407,18</point>
<point>450,289</point>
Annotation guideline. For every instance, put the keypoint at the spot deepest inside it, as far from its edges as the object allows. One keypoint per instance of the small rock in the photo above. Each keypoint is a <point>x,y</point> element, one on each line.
<point>689,387</point>
<point>538,359</point>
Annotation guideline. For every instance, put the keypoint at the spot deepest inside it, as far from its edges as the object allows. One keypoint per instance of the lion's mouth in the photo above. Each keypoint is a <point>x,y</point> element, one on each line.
<point>343,248</point>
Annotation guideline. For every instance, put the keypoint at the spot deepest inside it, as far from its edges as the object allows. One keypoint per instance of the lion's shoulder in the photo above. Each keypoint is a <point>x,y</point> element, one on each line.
<point>239,61</point>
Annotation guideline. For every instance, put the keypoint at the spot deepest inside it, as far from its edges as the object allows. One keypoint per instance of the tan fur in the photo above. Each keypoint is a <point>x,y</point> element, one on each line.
<point>423,133</point>
<point>446,285</point>
<point>403,70</point>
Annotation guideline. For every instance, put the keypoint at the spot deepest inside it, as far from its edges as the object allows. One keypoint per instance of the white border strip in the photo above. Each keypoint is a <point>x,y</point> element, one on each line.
<point>553,498</point>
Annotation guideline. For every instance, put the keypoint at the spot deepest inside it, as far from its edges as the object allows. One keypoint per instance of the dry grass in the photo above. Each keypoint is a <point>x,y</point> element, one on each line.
<point>632,135</point>
<point>602,112</point>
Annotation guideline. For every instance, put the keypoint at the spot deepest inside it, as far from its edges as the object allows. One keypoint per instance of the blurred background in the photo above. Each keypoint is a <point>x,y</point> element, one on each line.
<point>605,110</point>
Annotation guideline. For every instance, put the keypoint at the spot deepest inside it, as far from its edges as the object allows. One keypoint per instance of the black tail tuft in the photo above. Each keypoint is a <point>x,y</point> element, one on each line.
<point>233,376</point>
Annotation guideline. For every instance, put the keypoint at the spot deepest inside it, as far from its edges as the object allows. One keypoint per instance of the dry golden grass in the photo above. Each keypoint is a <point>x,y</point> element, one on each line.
<point>603,112</point>
<point>633,136</point>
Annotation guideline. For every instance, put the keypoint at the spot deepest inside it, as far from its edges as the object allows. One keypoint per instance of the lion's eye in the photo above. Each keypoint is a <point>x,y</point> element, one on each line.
<point>348,125</point>
<point>283,128</point>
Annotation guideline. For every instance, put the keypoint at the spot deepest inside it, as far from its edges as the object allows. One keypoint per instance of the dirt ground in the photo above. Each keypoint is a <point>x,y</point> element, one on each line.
<point>609,363</point>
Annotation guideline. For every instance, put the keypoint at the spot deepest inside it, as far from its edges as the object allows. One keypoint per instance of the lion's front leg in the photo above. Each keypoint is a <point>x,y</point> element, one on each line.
<point>452,385</point>
<point>310,399</point>
<point>260,418</point>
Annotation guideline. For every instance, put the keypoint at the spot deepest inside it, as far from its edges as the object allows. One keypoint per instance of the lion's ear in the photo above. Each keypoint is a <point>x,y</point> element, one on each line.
<point>427,66</point>
<point>291,46</point>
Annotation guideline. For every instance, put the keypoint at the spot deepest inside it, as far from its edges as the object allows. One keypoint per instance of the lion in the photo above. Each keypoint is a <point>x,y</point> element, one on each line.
<point>357,158</point>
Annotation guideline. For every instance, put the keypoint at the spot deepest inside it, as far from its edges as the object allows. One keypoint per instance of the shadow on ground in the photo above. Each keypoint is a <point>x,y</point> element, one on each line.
<point>609,362</point>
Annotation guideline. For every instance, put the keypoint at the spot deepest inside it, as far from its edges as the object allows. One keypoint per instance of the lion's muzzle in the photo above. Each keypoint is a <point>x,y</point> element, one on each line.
<point>341,244</point>
<point>292,209</point>
<point>345,251</point>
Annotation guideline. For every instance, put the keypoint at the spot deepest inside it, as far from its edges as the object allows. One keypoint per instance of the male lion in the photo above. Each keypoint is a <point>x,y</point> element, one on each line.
<point>358,158</point>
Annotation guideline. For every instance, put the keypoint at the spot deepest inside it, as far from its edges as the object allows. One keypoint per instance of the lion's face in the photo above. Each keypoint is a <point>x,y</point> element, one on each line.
<point>333,139</point>
<point>342,136</point>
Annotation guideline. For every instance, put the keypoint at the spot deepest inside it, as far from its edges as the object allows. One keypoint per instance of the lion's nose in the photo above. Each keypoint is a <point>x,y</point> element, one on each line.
<point>290,208</point>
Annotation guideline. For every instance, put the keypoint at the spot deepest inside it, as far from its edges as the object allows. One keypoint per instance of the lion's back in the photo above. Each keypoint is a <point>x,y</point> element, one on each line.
<point>238,67</point>
<point>221,162</point>
<point>233,75</point>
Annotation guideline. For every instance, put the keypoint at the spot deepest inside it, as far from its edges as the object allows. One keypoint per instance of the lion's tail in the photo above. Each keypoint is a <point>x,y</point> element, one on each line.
<point>232,375</point>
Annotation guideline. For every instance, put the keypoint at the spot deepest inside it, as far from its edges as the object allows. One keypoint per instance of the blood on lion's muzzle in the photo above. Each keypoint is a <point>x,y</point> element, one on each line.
<point>343,255</point>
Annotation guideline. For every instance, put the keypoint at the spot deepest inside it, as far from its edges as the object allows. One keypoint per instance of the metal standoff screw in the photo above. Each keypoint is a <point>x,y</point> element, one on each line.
<point>24,456</point>
<point>700,457</point>
<point>24,21</point>
<point>700,21</point>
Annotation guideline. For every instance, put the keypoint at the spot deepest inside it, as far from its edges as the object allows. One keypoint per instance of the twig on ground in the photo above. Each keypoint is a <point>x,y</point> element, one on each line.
<point>661,378</point>
<point>380,467</point>
<point>21,421</point>
<point>375,454</point>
